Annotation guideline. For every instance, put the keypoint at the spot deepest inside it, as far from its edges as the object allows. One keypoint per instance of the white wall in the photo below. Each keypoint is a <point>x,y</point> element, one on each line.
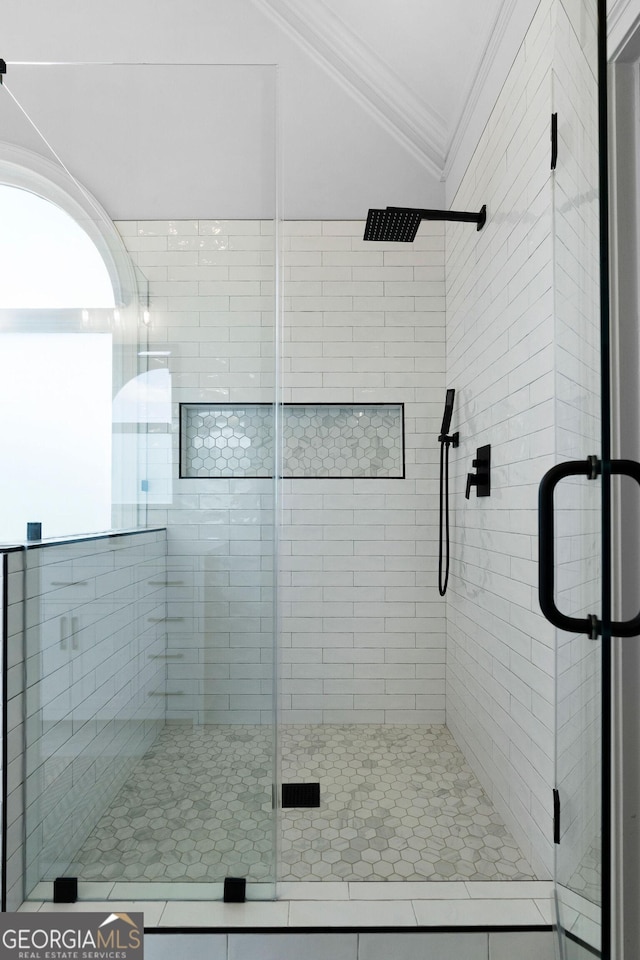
<point>363,624</point>
<point>85,688</point>
<point>363,629</point>
<point>500,664</point>
<point>523,351</point>
<point>13,623</point>
<point>94,644</point>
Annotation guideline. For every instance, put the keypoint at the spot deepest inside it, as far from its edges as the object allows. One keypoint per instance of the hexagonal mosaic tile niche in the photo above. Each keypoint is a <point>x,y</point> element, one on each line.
<point>322,440</point>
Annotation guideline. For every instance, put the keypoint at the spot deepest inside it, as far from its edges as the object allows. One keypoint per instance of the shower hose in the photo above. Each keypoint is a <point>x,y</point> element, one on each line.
<point>443,575</point>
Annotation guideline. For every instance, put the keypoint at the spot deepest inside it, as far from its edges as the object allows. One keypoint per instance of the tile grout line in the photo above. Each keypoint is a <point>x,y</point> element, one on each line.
<point>160,918</point>
<point>413,910</point>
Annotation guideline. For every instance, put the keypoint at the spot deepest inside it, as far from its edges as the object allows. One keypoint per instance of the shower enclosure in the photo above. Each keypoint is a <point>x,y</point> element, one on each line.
<point>148,653</point>
<point>247,670</point>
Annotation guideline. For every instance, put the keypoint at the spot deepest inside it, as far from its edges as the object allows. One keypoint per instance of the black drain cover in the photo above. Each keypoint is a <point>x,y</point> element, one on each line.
<point>300,794</point>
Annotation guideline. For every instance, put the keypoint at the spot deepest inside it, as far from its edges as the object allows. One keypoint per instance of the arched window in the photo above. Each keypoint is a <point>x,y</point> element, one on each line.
<point>47,259</point>
<point>65,283</point>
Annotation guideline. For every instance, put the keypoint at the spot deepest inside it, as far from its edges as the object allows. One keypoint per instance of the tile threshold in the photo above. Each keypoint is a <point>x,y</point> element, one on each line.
<point>364,906</point>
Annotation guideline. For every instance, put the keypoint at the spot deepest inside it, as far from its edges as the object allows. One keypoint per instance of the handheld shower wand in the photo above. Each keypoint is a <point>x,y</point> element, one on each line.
<point>445,441</point>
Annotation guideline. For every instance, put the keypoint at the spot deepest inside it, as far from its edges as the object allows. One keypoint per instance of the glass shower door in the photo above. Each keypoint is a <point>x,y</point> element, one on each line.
<point>574,520</point>
<point>166,775</point>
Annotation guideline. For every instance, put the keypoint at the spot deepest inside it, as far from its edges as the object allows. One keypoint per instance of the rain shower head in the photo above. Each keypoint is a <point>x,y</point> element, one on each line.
<point>390,224</point>
<point>401,223</point>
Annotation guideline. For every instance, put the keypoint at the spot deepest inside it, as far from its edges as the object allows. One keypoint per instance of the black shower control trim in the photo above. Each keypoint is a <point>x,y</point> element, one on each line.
<point>481,479</point>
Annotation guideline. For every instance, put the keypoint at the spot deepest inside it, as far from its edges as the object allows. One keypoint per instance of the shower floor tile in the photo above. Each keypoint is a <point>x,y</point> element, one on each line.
<point>397,803</point>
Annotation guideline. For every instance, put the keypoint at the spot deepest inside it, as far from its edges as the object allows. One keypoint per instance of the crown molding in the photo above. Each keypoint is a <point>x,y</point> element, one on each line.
<point>622,21</point>
<point>488,56</point>
<point>617,10</point>
<point>338,49</point>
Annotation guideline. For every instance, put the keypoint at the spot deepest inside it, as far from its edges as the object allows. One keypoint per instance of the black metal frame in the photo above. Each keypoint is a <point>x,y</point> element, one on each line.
<point>605,374</point>
<point>333,931</point>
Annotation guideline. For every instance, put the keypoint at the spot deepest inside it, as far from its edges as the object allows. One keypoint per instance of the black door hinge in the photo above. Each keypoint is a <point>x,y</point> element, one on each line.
<point>554,140</point>
<point>556,817</point>
<point>3,69</point>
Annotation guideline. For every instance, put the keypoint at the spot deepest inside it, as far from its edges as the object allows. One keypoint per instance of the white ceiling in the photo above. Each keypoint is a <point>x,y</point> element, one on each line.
<point>433,46</point>
<point>381,100</point>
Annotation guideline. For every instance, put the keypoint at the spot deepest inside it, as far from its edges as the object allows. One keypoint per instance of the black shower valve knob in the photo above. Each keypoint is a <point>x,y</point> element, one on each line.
<point>481,479</point>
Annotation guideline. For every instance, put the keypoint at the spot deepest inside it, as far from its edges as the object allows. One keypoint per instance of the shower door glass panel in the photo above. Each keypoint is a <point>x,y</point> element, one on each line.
<point>580,415</point>
<point>150,663</point>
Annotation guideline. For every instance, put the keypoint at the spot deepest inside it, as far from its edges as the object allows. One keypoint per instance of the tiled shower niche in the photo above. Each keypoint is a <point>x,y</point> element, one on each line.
<point>319,440</point>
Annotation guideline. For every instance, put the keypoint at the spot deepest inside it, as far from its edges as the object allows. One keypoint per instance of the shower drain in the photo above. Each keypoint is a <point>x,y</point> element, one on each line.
<point>300,794</point>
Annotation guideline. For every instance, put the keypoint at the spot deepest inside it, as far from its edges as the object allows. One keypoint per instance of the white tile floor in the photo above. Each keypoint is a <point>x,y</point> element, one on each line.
<point>400,798</point>
<point>347,905</point>
<point>398,803</point>
<point>290,945</point>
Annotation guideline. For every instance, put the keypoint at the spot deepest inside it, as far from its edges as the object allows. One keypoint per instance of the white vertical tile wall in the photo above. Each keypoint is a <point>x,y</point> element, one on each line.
<point>500,359</point>
<point>363,627</point>
<point>212,294</point>
<point>15,696</point>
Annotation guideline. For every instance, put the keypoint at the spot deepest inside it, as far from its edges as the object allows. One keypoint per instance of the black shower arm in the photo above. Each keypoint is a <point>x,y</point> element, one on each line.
<point>453,215</point>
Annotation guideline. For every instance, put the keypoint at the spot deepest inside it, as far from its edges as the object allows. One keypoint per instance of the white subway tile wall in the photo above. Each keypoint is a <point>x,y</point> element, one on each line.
<point>363,626</point>
<point>95,643</point>
<point>501,361</point>
<point>14,613</point>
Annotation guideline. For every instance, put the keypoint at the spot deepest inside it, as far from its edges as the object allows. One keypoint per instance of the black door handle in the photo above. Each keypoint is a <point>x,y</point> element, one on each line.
<point>590,468</point>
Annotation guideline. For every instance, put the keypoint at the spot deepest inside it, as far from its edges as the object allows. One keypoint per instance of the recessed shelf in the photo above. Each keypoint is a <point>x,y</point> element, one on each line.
<point>318,440</point>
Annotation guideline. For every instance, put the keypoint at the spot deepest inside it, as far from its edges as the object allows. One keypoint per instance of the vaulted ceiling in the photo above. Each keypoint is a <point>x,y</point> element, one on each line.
<point>381,100</point>
<point>415,61</point>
